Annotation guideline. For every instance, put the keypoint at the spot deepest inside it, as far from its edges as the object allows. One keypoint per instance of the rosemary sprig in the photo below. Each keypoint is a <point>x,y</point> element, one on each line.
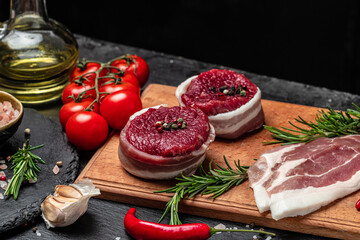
<point>25,167</point>
<point>216,182</point>
<point>329,123</point>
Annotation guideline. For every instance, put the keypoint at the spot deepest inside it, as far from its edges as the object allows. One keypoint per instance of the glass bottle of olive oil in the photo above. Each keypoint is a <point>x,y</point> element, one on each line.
<point>36,53</point>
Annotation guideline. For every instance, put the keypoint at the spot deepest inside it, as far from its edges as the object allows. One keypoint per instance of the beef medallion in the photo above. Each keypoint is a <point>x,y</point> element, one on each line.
<point>232,102</point>
<point>163,142</point>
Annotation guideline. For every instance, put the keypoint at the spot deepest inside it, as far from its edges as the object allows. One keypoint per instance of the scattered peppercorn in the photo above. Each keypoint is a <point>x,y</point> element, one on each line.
<point>221,89</point>
<point>229,91</point>
<point>160,129</point>
<point>27,131</point>
<point>59,163</point>
<point>175,124</point>
<point>34,229</point>
<point>167,126</point>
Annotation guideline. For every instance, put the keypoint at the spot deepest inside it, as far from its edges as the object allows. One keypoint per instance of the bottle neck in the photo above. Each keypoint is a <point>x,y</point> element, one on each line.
<point>28,7</point>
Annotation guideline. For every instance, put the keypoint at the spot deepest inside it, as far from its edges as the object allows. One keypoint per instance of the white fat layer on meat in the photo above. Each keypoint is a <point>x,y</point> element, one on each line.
<point>138,113</point>
<point>231,126</point>
<point>244,108</point>
<point>261,198</point>
<point>221,121</point>
<point>181,89</point>
<point>166,174</point>
<point>283,170</point>
<point>269,160</point>
<point>299,202</point>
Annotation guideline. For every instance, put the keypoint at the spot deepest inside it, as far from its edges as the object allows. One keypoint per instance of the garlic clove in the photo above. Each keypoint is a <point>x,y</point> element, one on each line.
<point>52,212</point>
<point>67,203</point>
<point>55,202</point>
<point>68,191</point>
<point>64,199</point>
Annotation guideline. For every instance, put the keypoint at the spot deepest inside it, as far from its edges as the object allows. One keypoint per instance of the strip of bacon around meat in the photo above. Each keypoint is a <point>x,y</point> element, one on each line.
<point>232,115</point>
<point>295,180</point>
<point>147,153</point>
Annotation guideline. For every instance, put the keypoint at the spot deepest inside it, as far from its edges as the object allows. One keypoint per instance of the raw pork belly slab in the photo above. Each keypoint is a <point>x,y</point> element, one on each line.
<point>232,115</point>
<point>295,180</point>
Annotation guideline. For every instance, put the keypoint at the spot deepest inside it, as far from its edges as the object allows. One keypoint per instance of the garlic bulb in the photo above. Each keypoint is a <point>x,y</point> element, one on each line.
<point>68,203</point>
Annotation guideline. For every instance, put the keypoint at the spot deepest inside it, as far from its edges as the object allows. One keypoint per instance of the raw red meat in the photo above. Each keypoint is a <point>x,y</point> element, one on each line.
<point>199,93</point>
<point>298,179</point>
<point>232,115</point>
<point>148,153</point>
<point>143,134</point>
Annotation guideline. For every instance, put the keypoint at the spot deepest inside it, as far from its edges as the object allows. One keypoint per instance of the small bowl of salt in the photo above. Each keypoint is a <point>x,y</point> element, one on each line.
<point>11,114</point>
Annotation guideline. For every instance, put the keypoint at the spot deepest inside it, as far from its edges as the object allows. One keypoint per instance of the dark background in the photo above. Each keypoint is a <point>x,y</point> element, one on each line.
<point>314,42</point>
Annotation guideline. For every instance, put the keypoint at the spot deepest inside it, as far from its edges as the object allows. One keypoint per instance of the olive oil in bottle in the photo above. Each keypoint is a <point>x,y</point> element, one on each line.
<point>36,54</point>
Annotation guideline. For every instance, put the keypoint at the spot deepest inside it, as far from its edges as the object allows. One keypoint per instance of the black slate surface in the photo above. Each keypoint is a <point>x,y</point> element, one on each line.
<point>104,219</point>
<point>26,208</point>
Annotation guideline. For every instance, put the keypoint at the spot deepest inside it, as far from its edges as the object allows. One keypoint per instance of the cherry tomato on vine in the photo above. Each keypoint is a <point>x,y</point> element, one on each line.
<point>127,77</point>
<point>84,67</point>
<point>87,130</point>
<point>133,64</point>
<point>70,108</point>
<point>118,106</point>
<point>74,89</point>
<point>111,87</point>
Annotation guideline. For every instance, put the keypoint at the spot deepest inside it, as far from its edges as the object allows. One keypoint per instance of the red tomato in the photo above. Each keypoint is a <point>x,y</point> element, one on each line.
<point>118,106</point>
<point>87,130</point>
<point>133,64</point>
<point>84,67</point>
<point>111,87</point>
<point>126,77</point>
<point>130,78</point>
<point>74,89</point>
<point>69,109</point>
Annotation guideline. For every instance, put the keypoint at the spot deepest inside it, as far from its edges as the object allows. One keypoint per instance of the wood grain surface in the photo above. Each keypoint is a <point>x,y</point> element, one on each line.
<point>339,219</point>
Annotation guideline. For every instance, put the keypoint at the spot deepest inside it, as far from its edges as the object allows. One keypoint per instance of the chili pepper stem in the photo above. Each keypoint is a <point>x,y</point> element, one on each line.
<point>214,230</point>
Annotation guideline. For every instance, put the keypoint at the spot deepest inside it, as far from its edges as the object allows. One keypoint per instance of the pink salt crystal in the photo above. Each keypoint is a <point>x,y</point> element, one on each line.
<point>3,166</point>
<point>7,113</point>
<point>7,105</point>
<point>3,184</point>
<point>56,169</point>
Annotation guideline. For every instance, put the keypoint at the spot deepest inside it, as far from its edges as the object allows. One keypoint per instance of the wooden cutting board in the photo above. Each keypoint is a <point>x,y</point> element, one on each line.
<point>339,219</point>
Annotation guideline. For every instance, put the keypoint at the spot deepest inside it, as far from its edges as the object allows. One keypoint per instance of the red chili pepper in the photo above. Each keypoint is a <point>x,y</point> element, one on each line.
<point>2,178</point>
<point>144,230</point>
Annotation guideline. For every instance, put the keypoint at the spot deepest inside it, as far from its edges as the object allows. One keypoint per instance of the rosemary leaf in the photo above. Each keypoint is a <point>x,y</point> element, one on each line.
<point>24,166</point>
<point>216,182</point>
<point>328,123</point>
